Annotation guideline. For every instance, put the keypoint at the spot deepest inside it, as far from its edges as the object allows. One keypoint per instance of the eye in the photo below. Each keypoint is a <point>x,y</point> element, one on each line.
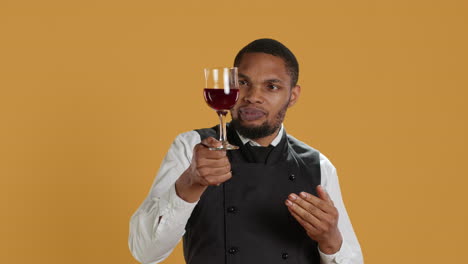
<point>273,87</point>
<point>242,82</point>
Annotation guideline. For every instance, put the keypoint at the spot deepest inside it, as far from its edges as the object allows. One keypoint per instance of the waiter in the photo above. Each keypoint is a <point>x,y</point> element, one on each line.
<point>275,200</point>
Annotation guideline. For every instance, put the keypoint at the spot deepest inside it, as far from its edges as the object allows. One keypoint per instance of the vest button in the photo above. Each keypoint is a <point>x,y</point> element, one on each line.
<point>233,250</point>
<point>292,177</point>
<point>285,256</point>
<point>232,209</point>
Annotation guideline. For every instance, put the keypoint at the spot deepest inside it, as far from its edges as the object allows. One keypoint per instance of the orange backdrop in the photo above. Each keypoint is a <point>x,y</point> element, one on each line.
<point>94,92</point>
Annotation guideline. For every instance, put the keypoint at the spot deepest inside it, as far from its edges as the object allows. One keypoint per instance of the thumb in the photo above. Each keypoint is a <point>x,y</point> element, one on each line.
<point>323,194</point>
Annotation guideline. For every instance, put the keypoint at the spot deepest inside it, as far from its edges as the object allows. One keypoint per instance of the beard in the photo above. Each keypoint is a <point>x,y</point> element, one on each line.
<point>263,130</point>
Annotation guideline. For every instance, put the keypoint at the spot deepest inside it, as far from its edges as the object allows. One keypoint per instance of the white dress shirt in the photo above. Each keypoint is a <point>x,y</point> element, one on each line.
<point>159,223</point>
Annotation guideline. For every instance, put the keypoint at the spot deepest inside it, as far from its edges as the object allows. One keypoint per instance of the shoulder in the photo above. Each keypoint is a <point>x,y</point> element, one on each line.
<point>308,153</point>
<point>188,136</point>
<point>186,140</point>
<point>206,132</point>
<point>326,166</point>
<point>195,136</point>
<point>300,146</point>
<point>304,151</point>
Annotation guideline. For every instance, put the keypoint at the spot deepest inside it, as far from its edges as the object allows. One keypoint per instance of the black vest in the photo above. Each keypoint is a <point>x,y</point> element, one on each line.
<point>245,220</point>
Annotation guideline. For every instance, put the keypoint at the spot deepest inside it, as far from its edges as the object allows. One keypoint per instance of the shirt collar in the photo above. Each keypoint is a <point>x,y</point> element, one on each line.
<point>273,143</point>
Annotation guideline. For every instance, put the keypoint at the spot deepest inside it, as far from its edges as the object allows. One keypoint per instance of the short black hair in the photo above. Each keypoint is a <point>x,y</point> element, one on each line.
<point>275,48</point>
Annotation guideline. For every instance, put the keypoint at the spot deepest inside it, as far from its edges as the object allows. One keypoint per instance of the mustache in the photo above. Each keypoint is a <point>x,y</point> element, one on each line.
<point>251,108</point>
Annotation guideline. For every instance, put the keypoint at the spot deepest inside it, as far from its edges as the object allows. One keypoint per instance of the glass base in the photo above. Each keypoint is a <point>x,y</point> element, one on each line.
<point>225,146</point>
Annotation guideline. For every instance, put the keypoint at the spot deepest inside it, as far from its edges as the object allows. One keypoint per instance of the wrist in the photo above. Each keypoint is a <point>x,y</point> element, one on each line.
<point>187,190</point>
<point>332,245</point>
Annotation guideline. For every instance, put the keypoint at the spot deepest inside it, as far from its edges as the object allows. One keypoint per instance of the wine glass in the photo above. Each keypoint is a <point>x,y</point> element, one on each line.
<point>221,93</point>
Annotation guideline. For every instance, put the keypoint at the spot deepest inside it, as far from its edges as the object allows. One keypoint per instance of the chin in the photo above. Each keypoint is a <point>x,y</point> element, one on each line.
<point>252,124</point>
<point>255,124</point>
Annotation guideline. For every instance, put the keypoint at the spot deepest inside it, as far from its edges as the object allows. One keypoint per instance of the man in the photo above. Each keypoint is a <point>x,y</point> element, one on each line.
<point>275,200</point>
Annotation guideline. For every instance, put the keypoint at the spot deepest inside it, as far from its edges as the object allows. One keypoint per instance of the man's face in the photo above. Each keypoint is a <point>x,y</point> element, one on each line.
<point>265,94</point>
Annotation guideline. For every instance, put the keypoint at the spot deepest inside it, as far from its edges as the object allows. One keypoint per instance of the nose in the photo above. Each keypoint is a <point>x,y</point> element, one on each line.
<point>254,95</point>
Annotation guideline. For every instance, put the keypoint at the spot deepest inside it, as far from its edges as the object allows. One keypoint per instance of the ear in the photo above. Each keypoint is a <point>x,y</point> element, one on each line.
<point>295,92</point>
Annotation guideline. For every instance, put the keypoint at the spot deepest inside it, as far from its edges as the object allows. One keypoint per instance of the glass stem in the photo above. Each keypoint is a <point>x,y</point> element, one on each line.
<point>222,126</point>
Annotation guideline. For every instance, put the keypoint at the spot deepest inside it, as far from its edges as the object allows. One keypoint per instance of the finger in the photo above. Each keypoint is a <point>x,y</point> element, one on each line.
<point>307,212</point>
<point>309,203</point>
<point>207,172</point>
<point>318,202</point>
<point>323,194</point>
<point>326,211</point>
<point>217,180</point>
<point>214,163</point>
<point>307,226</point>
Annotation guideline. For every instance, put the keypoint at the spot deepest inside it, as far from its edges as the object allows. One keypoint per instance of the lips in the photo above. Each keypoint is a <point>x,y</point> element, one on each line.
<point>251,113</point>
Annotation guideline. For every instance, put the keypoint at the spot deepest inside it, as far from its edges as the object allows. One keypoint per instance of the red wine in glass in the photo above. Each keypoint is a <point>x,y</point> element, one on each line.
<point>221,93</point>
<point>219,99</point>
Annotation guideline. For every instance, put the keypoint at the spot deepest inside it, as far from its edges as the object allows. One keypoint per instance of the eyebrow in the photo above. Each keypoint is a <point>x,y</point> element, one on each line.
<point>243,76</point>
<point>273,81</point>
<point>266,81</point>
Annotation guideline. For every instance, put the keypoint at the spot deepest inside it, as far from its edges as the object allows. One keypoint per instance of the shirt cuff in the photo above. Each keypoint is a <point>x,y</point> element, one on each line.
<point>340,257</point>
<point>176,202</point>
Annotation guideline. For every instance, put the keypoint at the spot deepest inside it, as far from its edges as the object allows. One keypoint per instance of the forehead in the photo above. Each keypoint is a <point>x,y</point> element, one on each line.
<point>263,66</point>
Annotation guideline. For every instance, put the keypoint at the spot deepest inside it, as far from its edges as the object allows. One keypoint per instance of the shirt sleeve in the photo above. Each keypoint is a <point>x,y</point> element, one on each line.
<point>350,251</point>
<point>159,223</point>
